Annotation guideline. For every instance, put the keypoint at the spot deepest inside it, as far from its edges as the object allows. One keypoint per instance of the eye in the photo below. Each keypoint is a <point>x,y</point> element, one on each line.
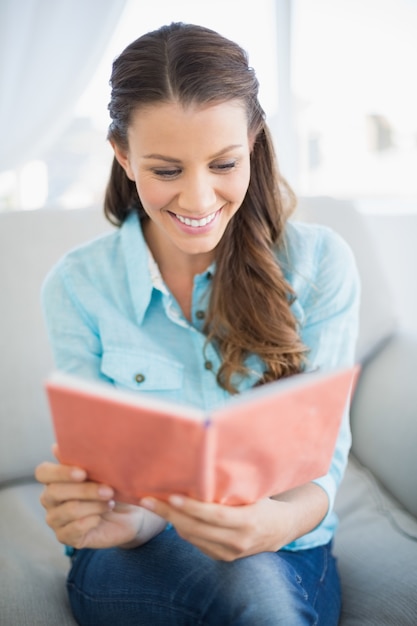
<point>224,167</point>
<point>166,173</point>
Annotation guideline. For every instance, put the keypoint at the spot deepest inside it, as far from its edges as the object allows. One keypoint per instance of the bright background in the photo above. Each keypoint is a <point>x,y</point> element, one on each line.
<point>337,83</point>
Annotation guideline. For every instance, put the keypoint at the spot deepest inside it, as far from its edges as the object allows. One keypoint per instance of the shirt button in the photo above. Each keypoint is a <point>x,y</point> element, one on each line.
<point>200,315</point>
<point>139,378</point>
<point>208,365</point>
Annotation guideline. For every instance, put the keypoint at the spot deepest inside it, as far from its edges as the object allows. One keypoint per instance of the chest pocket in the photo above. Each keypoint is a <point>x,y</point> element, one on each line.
<point>142,372</point>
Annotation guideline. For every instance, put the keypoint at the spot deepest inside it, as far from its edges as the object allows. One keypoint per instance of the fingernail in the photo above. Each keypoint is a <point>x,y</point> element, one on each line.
<point>176,500</point>
<point>111,504</point>
<point>78,474</point>
<point>147,503</point>
<point>105,492</point>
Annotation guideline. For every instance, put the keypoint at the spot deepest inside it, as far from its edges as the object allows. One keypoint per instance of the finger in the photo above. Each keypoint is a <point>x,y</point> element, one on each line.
<point>207,512</point>
<point>222,532</point>
<point>58,492</point>
<point>75,533</point>
<point>216,540</point>
<point>55,451</point>
<point>53,472</point>
<point>73,510</point>
<point>210,528</point>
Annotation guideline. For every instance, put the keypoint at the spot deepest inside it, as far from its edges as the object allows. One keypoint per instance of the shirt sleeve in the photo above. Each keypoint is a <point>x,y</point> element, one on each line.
<point>329,329</point>
<point>72,331</point>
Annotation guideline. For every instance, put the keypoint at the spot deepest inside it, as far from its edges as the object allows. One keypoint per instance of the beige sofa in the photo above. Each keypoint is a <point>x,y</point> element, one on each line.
<point>377,540</point>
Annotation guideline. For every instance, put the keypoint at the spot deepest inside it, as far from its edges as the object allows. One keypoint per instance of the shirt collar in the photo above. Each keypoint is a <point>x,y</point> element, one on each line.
<point>142,270</point>
<point>135,253</point>
<point>155,274</point>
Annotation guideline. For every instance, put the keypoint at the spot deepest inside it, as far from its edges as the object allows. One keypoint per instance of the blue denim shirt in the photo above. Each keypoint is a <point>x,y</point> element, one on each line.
<point>110,316</point>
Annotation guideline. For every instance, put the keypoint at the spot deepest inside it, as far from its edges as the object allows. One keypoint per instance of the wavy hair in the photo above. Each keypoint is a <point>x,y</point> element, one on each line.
<point>249,310</point>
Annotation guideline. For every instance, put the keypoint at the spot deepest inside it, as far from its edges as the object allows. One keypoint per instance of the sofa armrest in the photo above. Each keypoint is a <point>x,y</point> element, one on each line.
<point>384,418</point>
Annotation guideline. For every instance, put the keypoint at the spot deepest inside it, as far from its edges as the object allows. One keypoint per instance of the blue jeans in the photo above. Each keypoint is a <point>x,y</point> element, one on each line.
<point>168,582</point>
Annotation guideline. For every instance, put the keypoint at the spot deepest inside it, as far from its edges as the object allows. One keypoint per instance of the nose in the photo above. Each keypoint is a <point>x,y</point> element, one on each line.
<point>197,194</point>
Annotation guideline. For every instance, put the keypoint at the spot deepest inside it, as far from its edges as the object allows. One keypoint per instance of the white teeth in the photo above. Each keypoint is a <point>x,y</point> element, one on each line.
<point>196,223</point>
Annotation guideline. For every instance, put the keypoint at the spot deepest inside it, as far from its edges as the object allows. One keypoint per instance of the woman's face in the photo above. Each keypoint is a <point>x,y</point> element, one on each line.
<point>191,167</point>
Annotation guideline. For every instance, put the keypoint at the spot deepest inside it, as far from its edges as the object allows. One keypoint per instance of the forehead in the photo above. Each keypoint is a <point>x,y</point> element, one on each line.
<point>173,124</point>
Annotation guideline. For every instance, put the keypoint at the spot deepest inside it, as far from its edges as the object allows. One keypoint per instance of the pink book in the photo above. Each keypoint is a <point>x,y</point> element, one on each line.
<point>260,443</point>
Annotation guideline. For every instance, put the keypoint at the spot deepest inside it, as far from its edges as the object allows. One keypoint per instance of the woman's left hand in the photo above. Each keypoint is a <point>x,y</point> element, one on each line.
<point>226,532</point>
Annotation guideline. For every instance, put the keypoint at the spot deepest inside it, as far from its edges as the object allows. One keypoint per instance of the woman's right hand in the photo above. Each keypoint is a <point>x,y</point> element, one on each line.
<point>83,513</point>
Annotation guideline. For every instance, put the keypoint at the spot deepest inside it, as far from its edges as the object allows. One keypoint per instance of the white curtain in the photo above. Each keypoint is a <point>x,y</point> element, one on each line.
<point>48,52</point>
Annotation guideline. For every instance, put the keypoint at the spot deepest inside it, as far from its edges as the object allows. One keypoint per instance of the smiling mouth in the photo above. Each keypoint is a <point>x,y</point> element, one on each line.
<point>196,223</point>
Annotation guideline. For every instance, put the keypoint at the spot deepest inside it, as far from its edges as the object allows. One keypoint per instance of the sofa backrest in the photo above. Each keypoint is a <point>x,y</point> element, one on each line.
<point>384,409</point>
<point>378,317</point>
<point>384,418</point>
<point>30,243</point>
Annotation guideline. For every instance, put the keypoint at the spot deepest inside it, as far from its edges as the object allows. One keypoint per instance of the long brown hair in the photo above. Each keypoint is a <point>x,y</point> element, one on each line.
<point>249,310</point>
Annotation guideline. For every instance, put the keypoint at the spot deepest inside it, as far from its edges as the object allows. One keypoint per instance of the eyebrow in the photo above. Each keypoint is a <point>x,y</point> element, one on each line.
<point>168,159</point>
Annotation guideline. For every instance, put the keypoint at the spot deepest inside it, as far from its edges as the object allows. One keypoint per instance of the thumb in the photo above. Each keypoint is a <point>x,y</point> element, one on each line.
<point>55,451</point>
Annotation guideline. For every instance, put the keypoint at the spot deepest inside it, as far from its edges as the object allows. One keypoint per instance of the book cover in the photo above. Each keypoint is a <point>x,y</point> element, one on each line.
<point>263,442</point>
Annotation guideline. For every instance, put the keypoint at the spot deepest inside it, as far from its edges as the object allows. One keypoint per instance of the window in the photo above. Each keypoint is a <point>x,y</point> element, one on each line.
<point>337,84</point>
<point>74,172</point>
<point>355,101</point>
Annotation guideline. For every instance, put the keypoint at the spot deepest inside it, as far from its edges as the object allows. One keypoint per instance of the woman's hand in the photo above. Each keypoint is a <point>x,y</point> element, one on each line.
<point>230,532</point>
<point>83,513</point>
<point>224,532</point>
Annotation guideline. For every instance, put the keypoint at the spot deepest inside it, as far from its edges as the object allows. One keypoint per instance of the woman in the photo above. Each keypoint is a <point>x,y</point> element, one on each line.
<point>205,290</point>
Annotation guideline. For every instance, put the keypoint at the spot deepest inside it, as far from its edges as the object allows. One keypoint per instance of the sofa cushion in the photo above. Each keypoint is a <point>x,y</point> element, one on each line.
<point>30,243</point>
<point>384,418</point>
<point>376,547</point>
<point>372,534</point>
<point>32,563</point>
<point>378,318</point>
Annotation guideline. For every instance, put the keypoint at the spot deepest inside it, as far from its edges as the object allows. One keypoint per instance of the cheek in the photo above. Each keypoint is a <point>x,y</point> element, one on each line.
<point>153,195</point>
